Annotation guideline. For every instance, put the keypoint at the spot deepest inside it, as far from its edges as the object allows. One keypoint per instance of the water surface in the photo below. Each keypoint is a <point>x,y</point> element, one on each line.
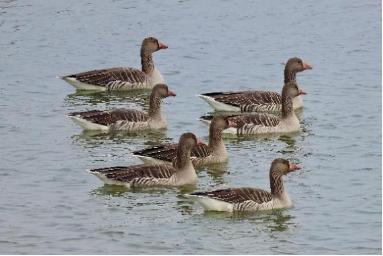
<point>50,204</point>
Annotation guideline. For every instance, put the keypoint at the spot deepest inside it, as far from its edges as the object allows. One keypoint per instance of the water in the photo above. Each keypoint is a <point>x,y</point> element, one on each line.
<point>49,204</point>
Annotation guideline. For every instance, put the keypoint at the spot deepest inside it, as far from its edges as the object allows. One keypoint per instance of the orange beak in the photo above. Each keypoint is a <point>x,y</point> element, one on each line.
<point>162,46</point>
<point>294,167</point>
<point>171,94</point>
<point>307,66</point>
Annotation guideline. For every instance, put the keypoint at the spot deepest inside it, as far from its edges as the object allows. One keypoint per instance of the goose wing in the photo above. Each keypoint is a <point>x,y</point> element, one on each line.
<point>168,152</point>
<point>108,117</point>
<point>254,119</point>
<point>244,98</point>
<point>107,77</point>
<point>129,173</point>
<point>238,195</point>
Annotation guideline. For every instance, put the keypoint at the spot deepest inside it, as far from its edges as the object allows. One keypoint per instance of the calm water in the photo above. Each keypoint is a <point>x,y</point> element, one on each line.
<point>49,204</point>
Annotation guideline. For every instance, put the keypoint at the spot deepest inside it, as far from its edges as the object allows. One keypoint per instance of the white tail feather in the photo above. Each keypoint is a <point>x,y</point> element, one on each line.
<point>86,125</point>
<point>218,106</point>
<point>210,204</point>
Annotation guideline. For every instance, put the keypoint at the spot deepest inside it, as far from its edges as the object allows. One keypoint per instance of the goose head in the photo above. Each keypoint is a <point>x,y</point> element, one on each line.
<point>282,167</point>
<point>151,44</point>
<point>162,91</point>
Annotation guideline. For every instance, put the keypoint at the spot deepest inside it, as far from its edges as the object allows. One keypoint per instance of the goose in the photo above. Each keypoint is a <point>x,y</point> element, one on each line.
<point>147,175</point>
<point>126,119</point>
<point>202,154</point>
<point>250,199</point>
<point>257,101</point>
<point>122,78</point>
<point>261,123</point>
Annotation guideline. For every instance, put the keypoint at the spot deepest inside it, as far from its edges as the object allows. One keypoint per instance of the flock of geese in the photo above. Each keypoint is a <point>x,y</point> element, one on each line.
<point>173,164</point>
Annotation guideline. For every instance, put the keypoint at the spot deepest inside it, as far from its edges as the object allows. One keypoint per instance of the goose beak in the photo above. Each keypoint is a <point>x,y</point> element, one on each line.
<point>307,66</point>
<point>232,124</point>
<point>171,94</point>
<point>199,142</point>
<point>301,92</point>
<point>294,167</point>
<point>162,46</point>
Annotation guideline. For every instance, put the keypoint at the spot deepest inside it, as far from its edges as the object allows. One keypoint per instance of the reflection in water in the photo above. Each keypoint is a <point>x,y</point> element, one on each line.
<point>273,220</point>
<point>123,191</point>
<point>139,97</point>
<point>110,190</point>
<point>217,172</point>
<point>87,138</point>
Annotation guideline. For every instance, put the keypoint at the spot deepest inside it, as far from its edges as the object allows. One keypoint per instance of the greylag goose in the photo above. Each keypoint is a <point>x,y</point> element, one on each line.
<point>145,175</point>
<point>257,101</point>
<point>250,199</point>
<point>202,154</point>
<point>259,123</point>
<point>126,119</point>
<point>122,78</point>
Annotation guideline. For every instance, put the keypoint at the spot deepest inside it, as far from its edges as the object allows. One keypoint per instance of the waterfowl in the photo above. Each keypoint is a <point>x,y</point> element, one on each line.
<point>122,78</point>
<point>261,123</point>
<point>126,119</point>
<point>257,101</point>
<point>146,175</point>
<point>202,154</point>
<point>250,199</point>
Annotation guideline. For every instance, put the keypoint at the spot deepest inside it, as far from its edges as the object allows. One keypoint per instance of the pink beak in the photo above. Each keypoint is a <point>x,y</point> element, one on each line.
<point>162,46</point>
<point>232,124</point>
<point>301,92</point>
<point>172,94</point>
<point>307,66</point>
<point>199,142</point>
<point>294,167</point>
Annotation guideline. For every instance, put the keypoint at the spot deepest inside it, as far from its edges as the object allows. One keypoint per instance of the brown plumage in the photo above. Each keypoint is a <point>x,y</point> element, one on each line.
<point>109,117</point>
<point>256,101</point>
<point>168,152</point>
<point>107,77</point>
<point>238,195</point>
<point>251,199</point>
<point>253,119</point>
<point>249,101</point>
<point>214,152</point>
<point>147,175</point>
<point>127,119</point>
<point>129,173</point>
<point>122,78</point>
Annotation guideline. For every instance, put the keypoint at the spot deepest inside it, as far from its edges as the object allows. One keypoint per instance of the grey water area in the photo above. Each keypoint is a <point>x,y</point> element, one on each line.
<point>49,204</point>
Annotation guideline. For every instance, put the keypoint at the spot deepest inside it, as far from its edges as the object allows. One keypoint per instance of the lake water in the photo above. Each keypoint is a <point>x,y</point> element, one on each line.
<point>50,204</point>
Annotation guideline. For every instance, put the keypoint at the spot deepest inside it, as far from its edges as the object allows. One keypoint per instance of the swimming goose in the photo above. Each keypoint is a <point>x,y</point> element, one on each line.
<point>259,123</point>
<point>257,101</point>
<point>202,154</point>
<point>123,78</point>
<point>126,119</point>
<point>250,199</point>
<point>145,175</point>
